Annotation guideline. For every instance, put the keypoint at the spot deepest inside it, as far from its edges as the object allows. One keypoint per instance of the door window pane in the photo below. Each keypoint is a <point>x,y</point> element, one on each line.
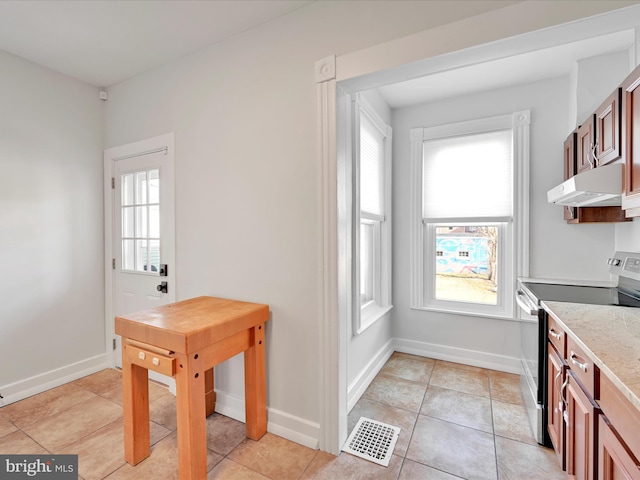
<point>154,221</point>
<point>141,188</point>
<point>466,263</point>
<point>128,222</point>
<point>154,186</point>
<point>142,255</point>
<point>128,255</point>
<point>154,255</point>
<point>141,223</point>
<point>127,189</point>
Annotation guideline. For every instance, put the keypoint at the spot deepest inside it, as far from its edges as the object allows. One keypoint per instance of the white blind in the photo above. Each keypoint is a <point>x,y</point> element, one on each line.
<point>371,167</point>
<point>468,176</point>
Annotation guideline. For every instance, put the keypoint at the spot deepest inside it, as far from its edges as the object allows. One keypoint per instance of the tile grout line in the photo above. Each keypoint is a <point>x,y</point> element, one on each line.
<point>404,457</point>
<point>493,427</point>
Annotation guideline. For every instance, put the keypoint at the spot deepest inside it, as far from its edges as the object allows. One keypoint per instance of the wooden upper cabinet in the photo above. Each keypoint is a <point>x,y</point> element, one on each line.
<point>608,131</point>
<point>585,214</point>
<point>586,142</point>
<point>631,136</point>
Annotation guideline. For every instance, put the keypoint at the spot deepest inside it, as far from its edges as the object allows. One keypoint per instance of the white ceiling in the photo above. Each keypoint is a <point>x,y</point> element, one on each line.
<point>103,42</point>
<point>523,68</point>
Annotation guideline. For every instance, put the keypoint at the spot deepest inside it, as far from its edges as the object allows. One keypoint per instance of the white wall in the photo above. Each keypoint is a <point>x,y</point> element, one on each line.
<point>51,233</point>
<point>557,250</point>
<point>628,236</point>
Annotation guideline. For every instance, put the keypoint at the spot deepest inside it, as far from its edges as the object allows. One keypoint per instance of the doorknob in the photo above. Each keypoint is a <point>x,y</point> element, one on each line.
<point>163,287</point>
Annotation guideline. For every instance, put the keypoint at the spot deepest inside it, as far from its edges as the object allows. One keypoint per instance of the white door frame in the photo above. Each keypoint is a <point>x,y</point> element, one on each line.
<point>395,61</point>
<point>110,156</point>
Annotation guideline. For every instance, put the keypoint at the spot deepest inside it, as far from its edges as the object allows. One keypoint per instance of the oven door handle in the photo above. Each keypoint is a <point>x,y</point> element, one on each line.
<point>523,301</point>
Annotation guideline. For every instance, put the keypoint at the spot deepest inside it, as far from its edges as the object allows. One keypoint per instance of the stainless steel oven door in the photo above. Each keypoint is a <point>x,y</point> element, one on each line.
<point>530,359</point>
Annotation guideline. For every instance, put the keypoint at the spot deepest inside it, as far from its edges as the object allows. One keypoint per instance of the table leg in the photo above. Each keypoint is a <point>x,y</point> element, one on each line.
<point>135,393</point>
<point>209,392</point>
<point>255,385</point>
<point>190,406</point>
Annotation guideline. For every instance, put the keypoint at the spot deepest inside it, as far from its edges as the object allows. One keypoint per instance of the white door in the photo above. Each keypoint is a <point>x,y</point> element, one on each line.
<point>142,229</point>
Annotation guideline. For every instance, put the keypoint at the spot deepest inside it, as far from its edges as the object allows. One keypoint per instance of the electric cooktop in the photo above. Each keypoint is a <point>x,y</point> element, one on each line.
<point>581,294</point>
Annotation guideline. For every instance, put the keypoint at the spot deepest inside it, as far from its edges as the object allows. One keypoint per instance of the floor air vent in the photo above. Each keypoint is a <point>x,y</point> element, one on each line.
<point>372,440</point>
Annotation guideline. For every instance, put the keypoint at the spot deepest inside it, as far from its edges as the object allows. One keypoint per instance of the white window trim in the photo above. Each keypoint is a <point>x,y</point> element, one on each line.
<point>367,315</point>
<point>518,262</point>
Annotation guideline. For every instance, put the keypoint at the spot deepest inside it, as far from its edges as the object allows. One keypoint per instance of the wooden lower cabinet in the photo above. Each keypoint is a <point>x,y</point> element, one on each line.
<point>555,404</point>
<point>615,461</point>
<point>593,425</point>
<point>581,431</point>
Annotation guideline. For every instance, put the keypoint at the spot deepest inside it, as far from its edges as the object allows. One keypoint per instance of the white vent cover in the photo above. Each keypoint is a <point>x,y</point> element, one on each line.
<point>372,440</point>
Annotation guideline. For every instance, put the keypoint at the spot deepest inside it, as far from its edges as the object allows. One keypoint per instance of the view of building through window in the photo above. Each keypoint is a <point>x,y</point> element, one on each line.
<point>466,263</point>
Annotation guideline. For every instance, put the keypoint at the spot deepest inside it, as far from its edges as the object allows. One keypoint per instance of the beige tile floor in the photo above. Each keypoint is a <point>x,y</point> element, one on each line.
<point>456,422</point>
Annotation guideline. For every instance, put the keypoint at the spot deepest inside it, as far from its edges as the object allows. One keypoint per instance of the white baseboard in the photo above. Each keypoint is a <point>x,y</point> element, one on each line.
<point>357,388</point>
<point>279,423</point>
<point>169,382</point>
<point>491,361</point>
<point>13,392</point>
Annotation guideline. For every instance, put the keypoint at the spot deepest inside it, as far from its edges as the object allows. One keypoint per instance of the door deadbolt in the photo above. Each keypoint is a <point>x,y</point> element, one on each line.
<point>164,270</point>
<point>163,287</point>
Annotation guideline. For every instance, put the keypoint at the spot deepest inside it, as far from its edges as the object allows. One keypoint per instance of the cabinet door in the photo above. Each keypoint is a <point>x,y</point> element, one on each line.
<point>580,431</point>
<point>555,402</point>
<point>586,142</point>
<point>608,129</point>
<point>631,135</point>
<point>615,461</point>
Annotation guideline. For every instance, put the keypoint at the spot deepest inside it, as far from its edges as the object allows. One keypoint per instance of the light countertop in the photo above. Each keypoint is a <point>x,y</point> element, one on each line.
<point>610,335</point>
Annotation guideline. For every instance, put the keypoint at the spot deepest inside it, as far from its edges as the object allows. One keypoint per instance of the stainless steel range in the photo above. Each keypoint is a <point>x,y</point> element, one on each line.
<point>529,295</point>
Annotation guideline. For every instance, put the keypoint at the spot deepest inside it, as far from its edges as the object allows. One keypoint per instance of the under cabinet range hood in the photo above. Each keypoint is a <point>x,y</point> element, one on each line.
<point>598,187</point>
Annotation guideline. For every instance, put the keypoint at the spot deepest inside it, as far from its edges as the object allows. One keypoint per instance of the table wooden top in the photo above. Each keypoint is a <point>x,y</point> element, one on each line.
<point>190,325</point>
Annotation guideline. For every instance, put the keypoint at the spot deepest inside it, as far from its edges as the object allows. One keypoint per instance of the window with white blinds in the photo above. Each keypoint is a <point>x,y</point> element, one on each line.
<point>468,176</point>
<point>469,220</point>
<point>372,216</point>
<point>371,167</point>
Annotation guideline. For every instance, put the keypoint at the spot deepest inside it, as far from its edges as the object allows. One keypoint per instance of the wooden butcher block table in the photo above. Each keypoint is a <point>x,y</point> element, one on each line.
<point>185,340</point>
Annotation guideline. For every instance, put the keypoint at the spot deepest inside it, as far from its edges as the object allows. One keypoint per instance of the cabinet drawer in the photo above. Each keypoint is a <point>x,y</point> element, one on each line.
<point>556,336</point>
<point>622,414</point>
<point>581,366</point>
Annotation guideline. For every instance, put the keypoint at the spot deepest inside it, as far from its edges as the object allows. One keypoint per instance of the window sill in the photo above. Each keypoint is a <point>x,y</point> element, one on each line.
<point>370,315</point>
<point>450,311</point>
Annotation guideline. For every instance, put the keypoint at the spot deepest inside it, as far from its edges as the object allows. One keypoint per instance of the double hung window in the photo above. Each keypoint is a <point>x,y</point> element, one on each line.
<point>469,214</point>
<point>372,215</point>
